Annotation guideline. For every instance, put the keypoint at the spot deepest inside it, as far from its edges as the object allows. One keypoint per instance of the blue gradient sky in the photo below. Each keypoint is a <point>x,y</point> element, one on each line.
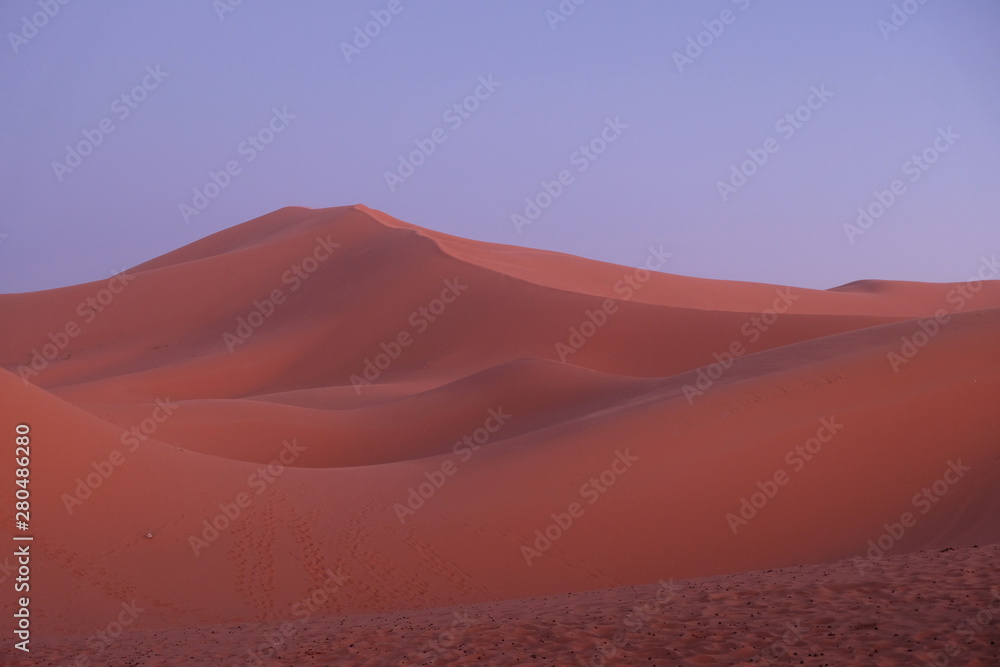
<point>656,184</point>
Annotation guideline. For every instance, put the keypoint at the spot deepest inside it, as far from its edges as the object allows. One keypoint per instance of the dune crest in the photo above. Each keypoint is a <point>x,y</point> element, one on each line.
<point>452,422</point>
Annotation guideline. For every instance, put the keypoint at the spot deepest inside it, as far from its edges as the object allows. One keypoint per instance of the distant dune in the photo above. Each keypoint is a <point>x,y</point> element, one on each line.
<point>430,421</point>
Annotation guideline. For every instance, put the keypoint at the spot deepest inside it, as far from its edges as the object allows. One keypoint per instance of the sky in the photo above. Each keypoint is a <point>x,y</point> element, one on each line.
<point>788,142</point>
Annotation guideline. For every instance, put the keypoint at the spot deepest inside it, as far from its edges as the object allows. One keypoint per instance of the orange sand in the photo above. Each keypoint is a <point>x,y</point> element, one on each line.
<point>571,425</point>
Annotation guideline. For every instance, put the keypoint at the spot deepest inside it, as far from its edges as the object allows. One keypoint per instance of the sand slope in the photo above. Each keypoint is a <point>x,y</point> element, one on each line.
<point>653,426</point>
<point>923,608</point>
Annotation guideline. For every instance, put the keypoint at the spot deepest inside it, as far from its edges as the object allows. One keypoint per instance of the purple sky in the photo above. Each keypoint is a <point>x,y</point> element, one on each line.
<point>888,93</point>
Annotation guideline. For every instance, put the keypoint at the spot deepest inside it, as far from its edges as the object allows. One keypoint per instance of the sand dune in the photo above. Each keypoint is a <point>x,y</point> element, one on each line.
<point>813,615</point>
<point>449,422</point>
